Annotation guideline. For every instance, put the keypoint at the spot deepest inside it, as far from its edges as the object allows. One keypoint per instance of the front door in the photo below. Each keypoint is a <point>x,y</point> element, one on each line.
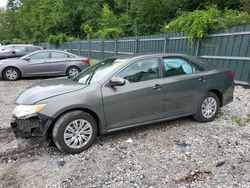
<point>139,100</point>
<point>37,64</point>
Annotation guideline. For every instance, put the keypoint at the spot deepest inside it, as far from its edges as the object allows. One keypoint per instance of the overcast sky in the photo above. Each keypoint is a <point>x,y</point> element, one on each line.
<point>3,3</point>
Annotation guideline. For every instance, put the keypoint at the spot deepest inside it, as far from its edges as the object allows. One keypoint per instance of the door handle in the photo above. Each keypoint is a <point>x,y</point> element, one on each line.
<point>202,79</point>
<point>157,86</point>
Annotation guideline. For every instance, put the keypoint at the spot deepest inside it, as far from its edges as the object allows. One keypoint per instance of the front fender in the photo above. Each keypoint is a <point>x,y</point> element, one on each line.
<point>87,99</point>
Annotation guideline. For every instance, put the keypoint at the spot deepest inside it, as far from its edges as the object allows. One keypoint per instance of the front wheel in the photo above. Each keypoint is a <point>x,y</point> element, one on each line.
<point>208,108</point>
<point>74,132</point>
<point>11,74</point>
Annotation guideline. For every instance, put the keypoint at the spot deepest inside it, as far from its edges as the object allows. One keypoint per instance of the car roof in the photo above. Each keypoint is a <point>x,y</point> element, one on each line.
<point>138,56</point>
<point>55,51</point>
<point>194,59</point>
<point>20,45</point>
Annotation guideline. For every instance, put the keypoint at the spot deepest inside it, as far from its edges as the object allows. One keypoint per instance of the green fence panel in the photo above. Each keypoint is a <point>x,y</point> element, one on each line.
<point>228,48</point>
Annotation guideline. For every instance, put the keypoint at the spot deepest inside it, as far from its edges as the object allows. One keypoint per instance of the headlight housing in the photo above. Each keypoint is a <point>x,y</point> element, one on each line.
<point>22,111</point>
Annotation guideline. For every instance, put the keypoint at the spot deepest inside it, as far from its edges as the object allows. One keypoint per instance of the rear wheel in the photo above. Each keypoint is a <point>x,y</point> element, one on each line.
<point>11,73</point>
<point>72,71</point>
<point>74,132</point>
<point>208,108</point>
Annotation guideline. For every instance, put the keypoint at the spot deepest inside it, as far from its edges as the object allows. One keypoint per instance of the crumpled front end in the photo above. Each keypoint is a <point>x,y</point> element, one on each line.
<point>36,126</point>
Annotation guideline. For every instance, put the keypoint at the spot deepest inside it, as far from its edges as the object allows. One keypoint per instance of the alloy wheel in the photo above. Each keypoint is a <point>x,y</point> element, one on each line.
<point>73,71</point>
<point>77,133</point>
<point>11,74</point>
<point>209,107</point>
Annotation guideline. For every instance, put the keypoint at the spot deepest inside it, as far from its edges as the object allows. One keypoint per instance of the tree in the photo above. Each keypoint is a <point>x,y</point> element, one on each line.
<point>36,20</point>
<point>245,5</point>
<point>13,4</point>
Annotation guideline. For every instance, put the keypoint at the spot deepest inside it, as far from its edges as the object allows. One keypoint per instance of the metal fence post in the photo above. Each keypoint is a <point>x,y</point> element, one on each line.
<point>102,49</point>
<point>116,47</point>
<point>165,44</point>
<point>70,46</point>
<point>197,48</point>
<point>89,49</point>
<point>80,48</point>
<point>136,45</point>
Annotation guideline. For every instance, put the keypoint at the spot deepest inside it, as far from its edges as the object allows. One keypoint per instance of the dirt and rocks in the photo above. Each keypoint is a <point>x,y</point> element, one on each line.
<point>180,153</point>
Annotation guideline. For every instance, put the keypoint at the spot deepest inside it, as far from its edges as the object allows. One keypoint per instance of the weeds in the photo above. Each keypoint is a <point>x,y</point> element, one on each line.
<point>242,122</point>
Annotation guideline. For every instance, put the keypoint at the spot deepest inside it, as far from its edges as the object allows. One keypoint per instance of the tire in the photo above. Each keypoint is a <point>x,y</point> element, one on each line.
<point>72,71</point>
<point>65,128</point>
<point>11,74</point>
<point>208,114</point>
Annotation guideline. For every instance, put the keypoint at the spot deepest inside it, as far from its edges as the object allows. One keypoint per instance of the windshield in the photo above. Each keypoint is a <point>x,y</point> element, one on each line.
<point>98,71</point>
<point>6,48</point>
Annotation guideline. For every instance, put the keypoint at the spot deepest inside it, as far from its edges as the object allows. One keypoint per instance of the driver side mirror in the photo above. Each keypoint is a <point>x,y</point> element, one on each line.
<point>27,59</point>
<point>13,51</point>
<point>116,81</point>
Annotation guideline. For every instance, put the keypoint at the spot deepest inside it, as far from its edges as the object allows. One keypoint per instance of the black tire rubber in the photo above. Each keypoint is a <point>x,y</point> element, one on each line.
<point>61,124</point>
<point>198,115</point>
<point>75,67</point>
<point>11,68</point>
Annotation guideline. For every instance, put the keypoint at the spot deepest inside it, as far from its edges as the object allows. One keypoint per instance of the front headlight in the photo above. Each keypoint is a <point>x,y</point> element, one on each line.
<point>27,110</point>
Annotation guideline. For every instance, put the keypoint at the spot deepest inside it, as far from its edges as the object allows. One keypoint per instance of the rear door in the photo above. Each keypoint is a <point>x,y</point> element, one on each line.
<point>184,85</point>
<point>37,64</point>
<point>58,62</point>
<point>139,100</point>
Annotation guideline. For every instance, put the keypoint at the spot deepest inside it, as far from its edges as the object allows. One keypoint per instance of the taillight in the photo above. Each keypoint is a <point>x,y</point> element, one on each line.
<point>86,61</point>
<point>231,74</point>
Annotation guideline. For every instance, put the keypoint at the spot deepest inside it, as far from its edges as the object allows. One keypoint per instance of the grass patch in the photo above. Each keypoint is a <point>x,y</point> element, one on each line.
<point>242,122</point>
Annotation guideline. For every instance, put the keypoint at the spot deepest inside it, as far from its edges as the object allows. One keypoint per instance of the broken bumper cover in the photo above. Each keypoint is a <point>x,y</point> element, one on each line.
<point>35,126</point>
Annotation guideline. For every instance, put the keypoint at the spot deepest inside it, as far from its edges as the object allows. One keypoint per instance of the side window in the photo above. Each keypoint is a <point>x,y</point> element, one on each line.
<point>58,55</point>
<point>32,48</point>
<point>179,66</point>
<point>19,49</point>
<point>72,56</point>
<point>40,55</point>
<point>142,70</point>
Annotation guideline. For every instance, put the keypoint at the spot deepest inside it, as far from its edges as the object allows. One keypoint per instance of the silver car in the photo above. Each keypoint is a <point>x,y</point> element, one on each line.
<point>43,63</point>
<point>17,50</point>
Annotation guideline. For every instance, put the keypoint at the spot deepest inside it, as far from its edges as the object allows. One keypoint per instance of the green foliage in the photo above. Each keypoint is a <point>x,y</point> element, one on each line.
<point>245,5</point>
<point>241,121</point>
<point>37,20</point>
<point>88,30</point>
<point>234,17</point>
<point>56,40</point>
<point>13,4</point>
<point>109,33</point>
<point>110,24</point>
<point>198,23</point>
<point>149,16</point>
<point>108,18</point>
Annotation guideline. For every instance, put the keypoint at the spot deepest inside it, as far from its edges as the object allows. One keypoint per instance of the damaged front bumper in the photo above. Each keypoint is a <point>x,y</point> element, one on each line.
<point>35,126</point>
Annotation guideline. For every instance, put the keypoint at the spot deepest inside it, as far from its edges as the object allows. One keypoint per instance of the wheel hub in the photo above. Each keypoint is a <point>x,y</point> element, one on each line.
<point>73,72</point>
<point>209,107</point>
<point>11,74</point>
<point>77,133</point>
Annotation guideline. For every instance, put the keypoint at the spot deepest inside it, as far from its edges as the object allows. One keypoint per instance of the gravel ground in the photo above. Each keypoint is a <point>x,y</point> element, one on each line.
<point>180,153</point>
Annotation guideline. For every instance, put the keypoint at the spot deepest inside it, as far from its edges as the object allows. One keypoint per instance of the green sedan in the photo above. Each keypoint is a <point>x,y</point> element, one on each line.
<point>119,93</point>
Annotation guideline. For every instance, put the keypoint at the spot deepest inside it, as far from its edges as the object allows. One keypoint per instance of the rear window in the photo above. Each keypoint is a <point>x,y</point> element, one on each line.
<point>32,48</point>
<point>58,55</point>
<point>174,66</point>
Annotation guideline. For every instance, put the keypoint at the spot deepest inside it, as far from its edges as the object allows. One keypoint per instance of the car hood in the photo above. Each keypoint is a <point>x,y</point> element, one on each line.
<point>48,88</point>
<point>5,53</point>
<point>10,60</point>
